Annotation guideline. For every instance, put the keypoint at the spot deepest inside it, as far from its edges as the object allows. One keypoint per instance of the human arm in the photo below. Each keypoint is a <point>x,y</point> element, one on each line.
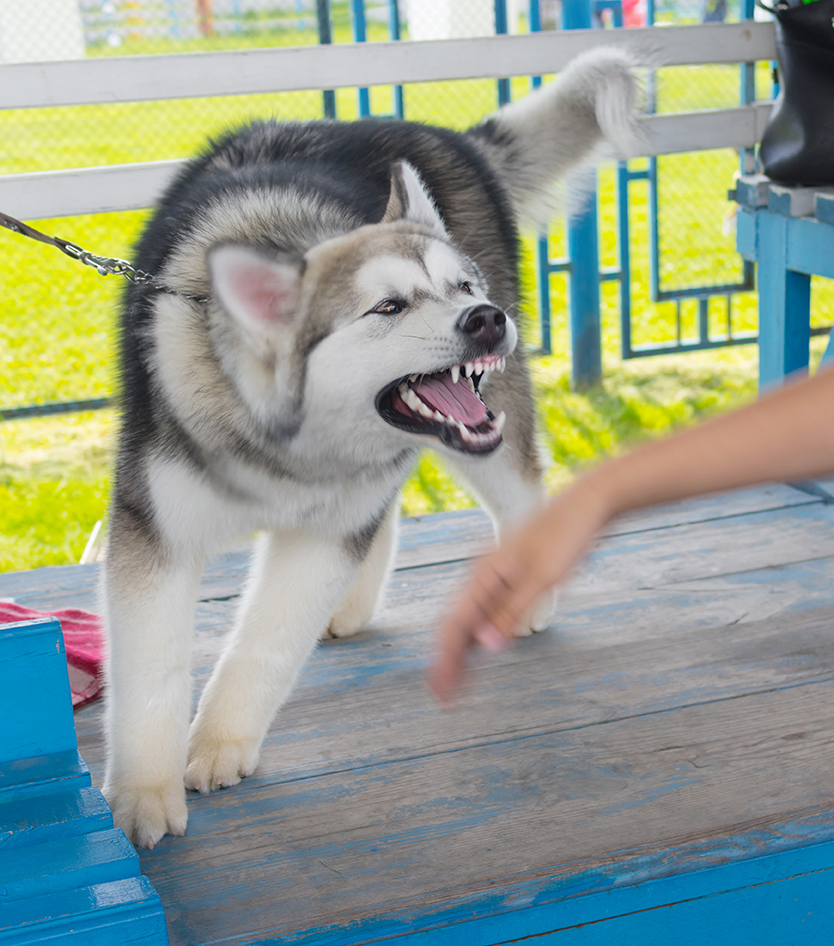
<point>786,435</point>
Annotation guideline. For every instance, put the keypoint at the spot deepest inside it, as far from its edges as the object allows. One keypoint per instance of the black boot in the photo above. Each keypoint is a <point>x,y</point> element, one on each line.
<point>798,143</point>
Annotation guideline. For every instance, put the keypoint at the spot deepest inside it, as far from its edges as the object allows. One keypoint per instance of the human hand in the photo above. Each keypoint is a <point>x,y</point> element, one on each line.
<point>506,584</point>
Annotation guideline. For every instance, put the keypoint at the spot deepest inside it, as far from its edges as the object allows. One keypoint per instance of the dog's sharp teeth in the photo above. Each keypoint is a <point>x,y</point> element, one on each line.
<point>441,417</point>
<point>502,364</point>
<point>402,390</point>
<point>465,432</point>
<point>468,368</point>
<point>499,422</point>
<point>471,385</point>
<point>455,372</point>
<point>479,368</point>
<point>413,378</point>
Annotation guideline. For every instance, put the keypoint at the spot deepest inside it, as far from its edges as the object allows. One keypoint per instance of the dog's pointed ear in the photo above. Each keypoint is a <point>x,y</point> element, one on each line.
<point>261,294</point>
<point>410,200</point>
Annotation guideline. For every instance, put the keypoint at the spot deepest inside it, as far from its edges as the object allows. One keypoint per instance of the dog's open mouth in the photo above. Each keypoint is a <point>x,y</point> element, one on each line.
<point>447,405</point>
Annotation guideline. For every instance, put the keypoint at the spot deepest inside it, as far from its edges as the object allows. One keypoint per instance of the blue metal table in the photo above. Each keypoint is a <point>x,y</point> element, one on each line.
<point>789,233</point>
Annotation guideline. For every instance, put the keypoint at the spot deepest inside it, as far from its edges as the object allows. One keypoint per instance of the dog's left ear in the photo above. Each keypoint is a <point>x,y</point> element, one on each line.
<point>410,200</point>
<point>261,294</point>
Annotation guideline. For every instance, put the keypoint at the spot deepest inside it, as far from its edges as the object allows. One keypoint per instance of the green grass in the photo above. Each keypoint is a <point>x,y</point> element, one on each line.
<point>57,336</point>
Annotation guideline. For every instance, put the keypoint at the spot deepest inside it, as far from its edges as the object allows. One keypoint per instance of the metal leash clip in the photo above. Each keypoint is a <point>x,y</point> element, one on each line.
<point>104,265</point>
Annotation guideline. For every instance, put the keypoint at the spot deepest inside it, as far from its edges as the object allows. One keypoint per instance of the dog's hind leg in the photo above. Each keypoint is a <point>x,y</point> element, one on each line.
<point>508,483</point>
<point>297,581</point>
<point>149,603</point>
<point>358,607</point>
<point>509,494</point>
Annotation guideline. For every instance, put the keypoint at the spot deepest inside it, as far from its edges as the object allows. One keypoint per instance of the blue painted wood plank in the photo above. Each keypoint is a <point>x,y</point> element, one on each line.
<point>35,699</point>
<point>746,233</point>
<point>40,869</point>
<point>784,303</point>
<point>810,247</point>
<point>771,899</point>
<point>40,818</point>
<point>824,208</point>
<point>796,911</point>
<point>119,913</point>
<point>43,775</point>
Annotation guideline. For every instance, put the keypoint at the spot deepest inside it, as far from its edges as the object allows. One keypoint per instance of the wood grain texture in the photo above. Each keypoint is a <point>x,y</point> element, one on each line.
<point>677,716</point>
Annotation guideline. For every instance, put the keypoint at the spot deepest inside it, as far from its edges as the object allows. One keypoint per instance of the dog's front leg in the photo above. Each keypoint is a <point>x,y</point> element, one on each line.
<point>362,599</point>
<point>297,581</point>
<point>149,599</point>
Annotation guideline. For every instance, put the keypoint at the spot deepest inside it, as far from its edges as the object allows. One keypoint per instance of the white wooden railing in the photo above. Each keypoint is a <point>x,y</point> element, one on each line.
<point>192,75</point>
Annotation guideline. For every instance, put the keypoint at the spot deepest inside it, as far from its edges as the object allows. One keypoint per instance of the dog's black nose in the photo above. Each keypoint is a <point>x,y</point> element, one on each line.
<point>485,324</point>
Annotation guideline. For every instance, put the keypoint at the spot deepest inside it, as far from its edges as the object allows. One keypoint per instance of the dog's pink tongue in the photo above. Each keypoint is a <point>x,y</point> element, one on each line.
<point>454,400</point>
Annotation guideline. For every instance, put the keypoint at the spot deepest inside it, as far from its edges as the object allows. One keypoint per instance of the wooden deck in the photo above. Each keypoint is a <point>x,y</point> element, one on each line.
<point>669,742</point>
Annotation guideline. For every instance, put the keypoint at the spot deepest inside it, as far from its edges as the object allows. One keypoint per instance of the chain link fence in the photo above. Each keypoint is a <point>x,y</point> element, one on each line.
<point>681,227</point>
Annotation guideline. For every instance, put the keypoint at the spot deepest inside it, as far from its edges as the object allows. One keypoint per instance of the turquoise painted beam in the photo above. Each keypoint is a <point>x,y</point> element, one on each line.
<point>119,913</point>
<point>43,775</point>
<point>781,898</point>
<point>64,864</point>
<point>35,698</point>
<point>40,818</point>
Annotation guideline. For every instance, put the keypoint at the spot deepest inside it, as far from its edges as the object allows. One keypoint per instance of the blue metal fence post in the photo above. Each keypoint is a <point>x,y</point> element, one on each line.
<point>583,250</point>
<point>501,27</point>
<point>357,15</point>
<point>326,38</point>
<point>542,249</point>
<point>359,24</point>
<point>395,32</point>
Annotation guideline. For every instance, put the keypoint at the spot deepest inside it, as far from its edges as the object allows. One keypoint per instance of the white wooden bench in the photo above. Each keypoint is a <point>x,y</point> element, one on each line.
<point>145,78</point>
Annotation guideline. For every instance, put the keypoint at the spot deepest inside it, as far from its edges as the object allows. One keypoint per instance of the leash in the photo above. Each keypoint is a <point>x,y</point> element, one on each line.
<point>104,265</point>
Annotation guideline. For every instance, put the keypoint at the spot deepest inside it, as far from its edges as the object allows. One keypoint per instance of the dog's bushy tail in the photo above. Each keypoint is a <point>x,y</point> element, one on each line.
<point>542,138</point>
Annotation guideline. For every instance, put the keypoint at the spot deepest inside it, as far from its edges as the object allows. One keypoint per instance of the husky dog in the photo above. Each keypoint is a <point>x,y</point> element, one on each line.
<point>329,299</point>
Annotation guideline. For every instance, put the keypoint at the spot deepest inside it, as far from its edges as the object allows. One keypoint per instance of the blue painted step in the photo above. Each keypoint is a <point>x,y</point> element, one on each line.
<point>35,697</point>
<point>42,818</point>
<point>66,875</point>
<point>66,863</point>
<point>43,775</point>
<point>122,912</point>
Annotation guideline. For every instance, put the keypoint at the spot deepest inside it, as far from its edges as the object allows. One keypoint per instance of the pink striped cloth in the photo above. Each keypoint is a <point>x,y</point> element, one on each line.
<point>83,641</point>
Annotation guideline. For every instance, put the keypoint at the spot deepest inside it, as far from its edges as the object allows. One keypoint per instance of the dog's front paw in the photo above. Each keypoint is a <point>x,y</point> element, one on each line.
<point>539,616</point>
<point>147,812</point>
<point>352,616</point>
<point>217,763</point>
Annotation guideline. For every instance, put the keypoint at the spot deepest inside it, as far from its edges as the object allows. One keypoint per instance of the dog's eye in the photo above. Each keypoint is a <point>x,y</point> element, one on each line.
<point>389,307</point>
<point>465,287</point>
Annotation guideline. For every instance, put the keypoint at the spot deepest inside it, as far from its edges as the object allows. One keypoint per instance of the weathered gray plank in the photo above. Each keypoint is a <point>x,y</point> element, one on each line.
<point>417,832</point>
<point>604,606</point>
<point>452,536</point>
<point>364,701</point>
